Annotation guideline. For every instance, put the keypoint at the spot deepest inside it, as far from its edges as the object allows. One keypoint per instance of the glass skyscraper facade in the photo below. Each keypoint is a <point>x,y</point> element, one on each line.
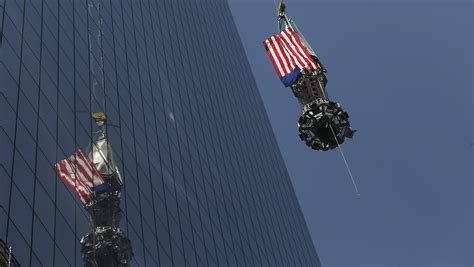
<point>205,183</point>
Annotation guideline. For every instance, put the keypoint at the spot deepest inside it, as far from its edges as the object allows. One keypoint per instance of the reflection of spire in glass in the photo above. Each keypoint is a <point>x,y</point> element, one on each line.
<point>101,153</point>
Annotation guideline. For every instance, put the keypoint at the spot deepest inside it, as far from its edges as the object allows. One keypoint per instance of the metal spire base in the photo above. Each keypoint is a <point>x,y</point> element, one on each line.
<point>106,245</point>
<point>112,248</point>
<point>318,118</point>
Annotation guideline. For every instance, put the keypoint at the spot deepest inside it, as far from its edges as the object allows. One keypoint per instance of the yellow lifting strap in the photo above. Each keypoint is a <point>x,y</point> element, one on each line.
<point>99,116</point>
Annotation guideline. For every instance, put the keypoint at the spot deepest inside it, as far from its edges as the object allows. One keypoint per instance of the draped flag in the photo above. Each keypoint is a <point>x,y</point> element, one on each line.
<point>289,56</point>
<point>80,175</point>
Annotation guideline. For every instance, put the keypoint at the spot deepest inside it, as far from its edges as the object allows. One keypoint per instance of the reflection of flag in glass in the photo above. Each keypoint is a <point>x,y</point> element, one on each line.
<point>80,175</point>
<point>289,56</point>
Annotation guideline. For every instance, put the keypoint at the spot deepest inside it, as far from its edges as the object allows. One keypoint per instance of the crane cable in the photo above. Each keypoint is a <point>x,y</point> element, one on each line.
<point>101,45</point>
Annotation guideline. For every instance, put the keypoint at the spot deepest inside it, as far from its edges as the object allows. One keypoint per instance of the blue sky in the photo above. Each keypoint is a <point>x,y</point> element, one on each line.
<point>403,70</point>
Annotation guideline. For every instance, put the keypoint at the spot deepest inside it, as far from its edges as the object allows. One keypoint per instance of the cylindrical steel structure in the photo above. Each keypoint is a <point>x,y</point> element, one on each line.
<point>106,245</point>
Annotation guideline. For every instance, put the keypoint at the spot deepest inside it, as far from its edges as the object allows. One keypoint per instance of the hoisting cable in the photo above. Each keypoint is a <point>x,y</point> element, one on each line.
<point>93,94</point>
<point>101,45</point>
<point>106,158</point>
<point>345,162</point>
<point>92,100</point>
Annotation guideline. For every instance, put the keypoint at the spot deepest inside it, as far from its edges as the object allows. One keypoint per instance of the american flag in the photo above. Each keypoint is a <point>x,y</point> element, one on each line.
<point>79,174</point>
<point>289,56</point>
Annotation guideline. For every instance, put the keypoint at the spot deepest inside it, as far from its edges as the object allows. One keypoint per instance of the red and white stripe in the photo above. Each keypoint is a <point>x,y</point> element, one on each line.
<point>66,174</point>
<point>281,59</point>
<point>287,51</point>
<point>297,48</point>
<point>86,170</point>
<point>79,174</point>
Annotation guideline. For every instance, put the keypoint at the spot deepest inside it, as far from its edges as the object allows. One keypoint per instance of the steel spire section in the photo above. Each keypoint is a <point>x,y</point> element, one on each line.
<point>299,68</point>
<point>106,245</point>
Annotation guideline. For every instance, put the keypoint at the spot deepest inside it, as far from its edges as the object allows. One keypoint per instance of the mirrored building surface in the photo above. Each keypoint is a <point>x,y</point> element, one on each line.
<point>204,181</point>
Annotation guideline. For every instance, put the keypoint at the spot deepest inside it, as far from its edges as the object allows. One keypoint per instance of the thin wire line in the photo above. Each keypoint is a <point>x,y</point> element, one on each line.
<point>106,158</point>
<point>101,45</point>
<point>345,162</point>
<point>93,80</point>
